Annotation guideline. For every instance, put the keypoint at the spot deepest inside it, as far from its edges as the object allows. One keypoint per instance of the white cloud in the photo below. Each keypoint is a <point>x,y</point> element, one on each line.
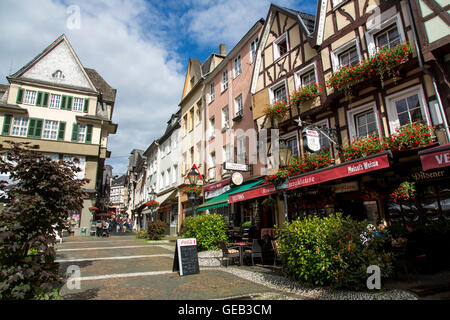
<point>136,46</point>
<point>147,77</point>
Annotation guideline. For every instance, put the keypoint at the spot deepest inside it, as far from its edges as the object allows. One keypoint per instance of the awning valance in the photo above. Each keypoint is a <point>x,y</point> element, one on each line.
<point>355,167</point>
<point>253,193</point>
<point>222,200</point>
<point>435,158</point>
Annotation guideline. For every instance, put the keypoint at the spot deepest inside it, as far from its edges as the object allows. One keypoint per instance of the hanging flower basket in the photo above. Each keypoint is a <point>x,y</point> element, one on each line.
<point>404,192</point>
<point>190,190</point>
<point>277,110</point>
<point>305,94</point>
<point>152,204</point>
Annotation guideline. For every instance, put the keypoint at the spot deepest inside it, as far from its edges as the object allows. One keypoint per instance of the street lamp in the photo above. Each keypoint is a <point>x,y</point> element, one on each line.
<point>285,156</point>
<point>193,178</point>
<point>151,196</point>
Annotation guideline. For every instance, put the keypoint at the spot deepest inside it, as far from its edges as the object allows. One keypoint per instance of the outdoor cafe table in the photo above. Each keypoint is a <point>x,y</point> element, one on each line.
<point>241,246</point>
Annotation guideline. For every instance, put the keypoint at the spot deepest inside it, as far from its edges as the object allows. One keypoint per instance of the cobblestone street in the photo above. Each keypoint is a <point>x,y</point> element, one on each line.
<point>126,268</point>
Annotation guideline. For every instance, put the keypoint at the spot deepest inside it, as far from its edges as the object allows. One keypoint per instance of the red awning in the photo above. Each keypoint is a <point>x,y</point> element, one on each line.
<point>252,193</point>
<point>351,168</point>
<point>435,158</point>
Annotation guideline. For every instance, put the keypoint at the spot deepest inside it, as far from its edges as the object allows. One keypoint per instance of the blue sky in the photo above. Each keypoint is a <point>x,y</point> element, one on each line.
<point>140,47</point>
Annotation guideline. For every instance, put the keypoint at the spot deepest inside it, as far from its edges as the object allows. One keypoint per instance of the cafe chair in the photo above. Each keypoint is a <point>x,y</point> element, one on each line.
<point>276,252</point>
<point>255,251</point>
<point>228,253</point>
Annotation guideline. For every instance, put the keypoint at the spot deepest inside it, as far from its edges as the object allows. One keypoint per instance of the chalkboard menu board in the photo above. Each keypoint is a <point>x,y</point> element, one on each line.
<point>186,257</point>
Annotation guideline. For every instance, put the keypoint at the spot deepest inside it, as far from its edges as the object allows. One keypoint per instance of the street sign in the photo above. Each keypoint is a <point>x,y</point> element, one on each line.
<point>235,166</point>
<point>186,257</point>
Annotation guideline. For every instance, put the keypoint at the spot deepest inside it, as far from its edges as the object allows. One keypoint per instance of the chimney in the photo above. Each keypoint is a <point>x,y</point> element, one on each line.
<point>222,50</point>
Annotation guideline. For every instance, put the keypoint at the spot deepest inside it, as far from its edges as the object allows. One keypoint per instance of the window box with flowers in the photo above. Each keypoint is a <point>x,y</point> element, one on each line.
<point>298,165</point>
<point>305,94</point>
<point>411,136</point>
<point>384,64</point>
<point>277,110</point>
<point>363,147</point>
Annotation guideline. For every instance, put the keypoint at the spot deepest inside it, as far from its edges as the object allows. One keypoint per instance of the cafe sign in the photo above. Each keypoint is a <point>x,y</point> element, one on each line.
<point>311,140</point>
<point>346,187</point>
<point>235,166</point>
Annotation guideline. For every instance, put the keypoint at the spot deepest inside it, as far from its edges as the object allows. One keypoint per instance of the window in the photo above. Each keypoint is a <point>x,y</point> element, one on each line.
<point>224,80</point>
<point>174,173</point>
<point>305,76</point>
<point>388,33</point>
<point>362,121</point>
<point>293,146</point>
<point>212,125</point>
<point>278,92</point>
<point>185,123</point>
<point>191,156</point>
<point>161,184</point>
<point>55,101</point>
<point>81,132</point>
<point>51,130</point>
<point>20,127</point>
<point>78,104</point>
<point>199,112</point>
<point>253,48</point>
<point>237,66</point>
<point>168,177</point>
<point>346,55</point>
<point>211,90</point>
<point>238,105</point>
<point>365,124</point>
<point>226,153</point>
<point>191,119</point>
<point>225,118</point>
<point>58,75</point>
<point>30,97</point>
<point>184,162</point>
<point>349,58</point>
<point>280,46</point>
<point>241,150</point>
<point>406,107</point>
<point>308,78</point>
<point>212,166</point>
<point>389,37</point>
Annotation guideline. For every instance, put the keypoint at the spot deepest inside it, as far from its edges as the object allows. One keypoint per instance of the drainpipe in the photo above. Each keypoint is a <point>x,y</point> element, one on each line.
<point>426,71</point>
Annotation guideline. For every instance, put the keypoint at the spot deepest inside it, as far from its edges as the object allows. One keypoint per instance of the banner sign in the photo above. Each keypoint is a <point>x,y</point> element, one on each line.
<point>186,257</point>
<point>251,194</point>
<point>235,166</point>
<point>435,160</point>
<point>340,171</point>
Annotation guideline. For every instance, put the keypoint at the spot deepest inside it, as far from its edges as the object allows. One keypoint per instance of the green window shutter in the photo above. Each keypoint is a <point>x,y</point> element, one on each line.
<point>89,133</point>
<point>39,99</point>
<point>62,129</point>
<point>63,102</point>
<point>38,131</point>
<point>86,105</point>
<point>7,124</point>
<point>75,132</point>
<point>19,98</point>
<point>69,103</point>
<point>31,127</point>
<point>45,100</point>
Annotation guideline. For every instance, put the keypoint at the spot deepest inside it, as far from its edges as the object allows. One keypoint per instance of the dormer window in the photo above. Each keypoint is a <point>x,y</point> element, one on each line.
<point>58,75</point>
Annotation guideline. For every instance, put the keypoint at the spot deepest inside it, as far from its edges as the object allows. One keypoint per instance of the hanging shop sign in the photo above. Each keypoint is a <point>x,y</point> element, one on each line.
<point>251,194</point>
<point>186,257</point>
<point>341,171</point>
<point>235,166</point>
<point>311,140</point>
<point>237,178</point>
<point>215,193</point>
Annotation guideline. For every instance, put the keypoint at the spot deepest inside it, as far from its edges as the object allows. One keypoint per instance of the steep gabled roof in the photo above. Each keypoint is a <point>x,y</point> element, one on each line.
<point>307,21</point>
<point>18,75</point>
<point>108,93</point>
